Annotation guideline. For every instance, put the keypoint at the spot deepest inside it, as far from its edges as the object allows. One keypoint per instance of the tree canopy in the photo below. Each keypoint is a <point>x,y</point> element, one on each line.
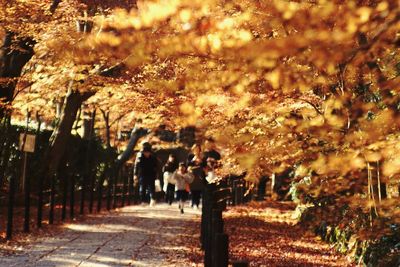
<point>312,84</point>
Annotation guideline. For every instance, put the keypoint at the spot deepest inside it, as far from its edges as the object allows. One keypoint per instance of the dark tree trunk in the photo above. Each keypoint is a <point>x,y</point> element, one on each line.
<point>5,148</point>
<point>14,54</point>
<point>60,137</point>
<point>136,134</point>
<point>54,5</point>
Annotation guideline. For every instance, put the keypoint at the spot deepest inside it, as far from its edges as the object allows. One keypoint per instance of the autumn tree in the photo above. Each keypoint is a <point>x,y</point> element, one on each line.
<point>311,84</point>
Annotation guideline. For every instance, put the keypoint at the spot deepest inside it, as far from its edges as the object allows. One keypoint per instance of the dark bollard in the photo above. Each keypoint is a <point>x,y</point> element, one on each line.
<point>208,250</point>
<point>205,217</point>
<point>221,250</point>
<point>208,226</point>
<point>217,227</point>
<point>241,263</point>
<point>217,221</point>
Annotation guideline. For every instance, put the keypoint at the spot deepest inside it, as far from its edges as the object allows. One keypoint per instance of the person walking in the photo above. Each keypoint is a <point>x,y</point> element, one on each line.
<point>145,172</point>
<point>211,153</point>
<point>197,186</point>
<point>169,184</point>
<point>182,177</point>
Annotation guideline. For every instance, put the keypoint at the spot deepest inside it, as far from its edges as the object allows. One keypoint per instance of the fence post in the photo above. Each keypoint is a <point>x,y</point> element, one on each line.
<point>109,191</point>
<point>116,176</point>
<point>40,203</point>
<point>240,193</point>
<point>64,199</point>
<point>27,192</point>
<point>234,193</point>
<point>52,200</point>
<point>130,186</point>
<point>124,186</point>
<point>83,194</point>
<point>11,198</point>
<point>91,195</point>
<point>72,197</point>
<point>100,193</point>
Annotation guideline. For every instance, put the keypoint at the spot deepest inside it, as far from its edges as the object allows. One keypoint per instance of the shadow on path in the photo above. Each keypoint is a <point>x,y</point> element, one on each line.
<point>130,236</point>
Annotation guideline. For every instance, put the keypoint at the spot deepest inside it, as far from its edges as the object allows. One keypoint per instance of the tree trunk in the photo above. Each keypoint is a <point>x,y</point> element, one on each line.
<point>54,5</point>
<point>13,57</point>
<point>136,134</point>
<point>5,148</point>
<point>60,136</point>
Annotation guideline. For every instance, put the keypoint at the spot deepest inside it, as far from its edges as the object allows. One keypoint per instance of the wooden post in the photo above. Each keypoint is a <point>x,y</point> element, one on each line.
<point>125,184</point>
<point>52,199</point>
<point>11,198</point>
<point>90,176</point>
<point>114,189</point>
<point>72,197</point>
<point>83,193</point>
<point>234,193</point>
<point>129,177</point>
<point>65,198</point>
<point>100,193</point>
<point>27,192</point>
<point>40,203</point>
<point>91,190</point>
<point>109,191</point>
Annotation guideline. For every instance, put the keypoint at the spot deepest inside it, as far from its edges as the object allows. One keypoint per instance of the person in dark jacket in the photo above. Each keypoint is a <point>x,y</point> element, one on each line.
<point>145,171</point>
<point>210,152</point>
<point>197,186</point>
<point>169,186</point>
<point>196,166</point>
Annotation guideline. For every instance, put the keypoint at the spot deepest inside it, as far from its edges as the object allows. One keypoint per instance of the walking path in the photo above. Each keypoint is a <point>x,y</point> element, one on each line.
<point>264,233</point>
<point>132,236</point>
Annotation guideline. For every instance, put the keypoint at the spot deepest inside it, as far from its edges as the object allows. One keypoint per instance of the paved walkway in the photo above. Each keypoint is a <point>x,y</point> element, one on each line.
<point>131,236</point>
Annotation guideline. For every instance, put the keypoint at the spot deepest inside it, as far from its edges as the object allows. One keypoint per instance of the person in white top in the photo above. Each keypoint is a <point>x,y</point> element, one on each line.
<point>182,177</point>
<point>211,177</point>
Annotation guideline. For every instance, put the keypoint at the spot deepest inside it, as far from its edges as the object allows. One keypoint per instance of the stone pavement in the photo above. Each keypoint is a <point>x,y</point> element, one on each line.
<point>131,236</point>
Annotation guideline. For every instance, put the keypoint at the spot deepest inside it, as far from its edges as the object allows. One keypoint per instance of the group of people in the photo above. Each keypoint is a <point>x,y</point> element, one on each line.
<point>179,178</point>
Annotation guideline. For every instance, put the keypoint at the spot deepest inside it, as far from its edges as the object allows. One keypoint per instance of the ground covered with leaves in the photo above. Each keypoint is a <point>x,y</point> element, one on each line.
<point>266,234</point>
